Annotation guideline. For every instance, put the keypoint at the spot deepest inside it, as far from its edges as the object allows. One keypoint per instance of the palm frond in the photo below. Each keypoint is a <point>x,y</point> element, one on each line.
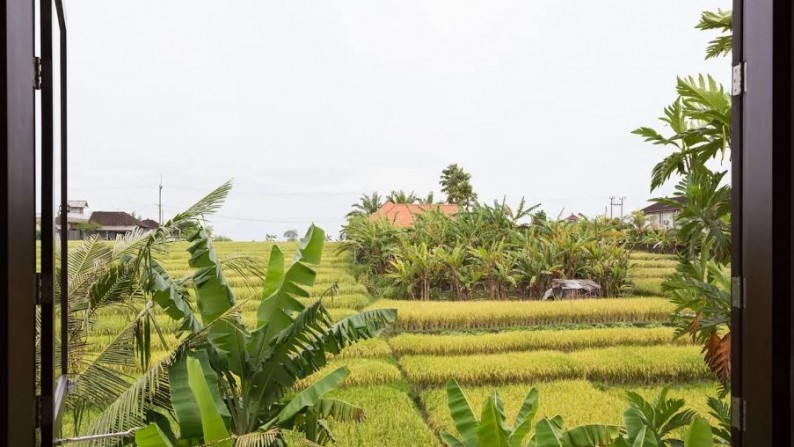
<point>208,204</point>
<point>129,410</point>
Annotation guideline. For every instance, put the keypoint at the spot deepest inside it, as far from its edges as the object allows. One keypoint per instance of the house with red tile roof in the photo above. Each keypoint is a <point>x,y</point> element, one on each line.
<point>403,215</point>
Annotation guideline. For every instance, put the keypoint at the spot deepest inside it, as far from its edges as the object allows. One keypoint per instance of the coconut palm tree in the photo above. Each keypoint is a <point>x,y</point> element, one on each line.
<point>366,205</point>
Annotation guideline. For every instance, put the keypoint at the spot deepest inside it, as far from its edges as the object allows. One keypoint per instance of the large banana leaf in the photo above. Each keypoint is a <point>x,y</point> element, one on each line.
<point>172,297</point>
<point>462,414</point>
<point>311,396</point>
<point>213,426</point>
<point>183,401</point>
<point>214,297</point>
<point>152,436</point>
<point>591,435</point>
<point>361,326</point>
<point>638,429</point>
<point>493,431</point>
<point>295,353</point>
<point>526,414</point>
<point>281,287</point>
<point>547,434</point>
<point>699,434</point>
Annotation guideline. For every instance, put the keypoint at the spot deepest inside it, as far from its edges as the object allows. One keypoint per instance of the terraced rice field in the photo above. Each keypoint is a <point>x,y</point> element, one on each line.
<point>582,355</point>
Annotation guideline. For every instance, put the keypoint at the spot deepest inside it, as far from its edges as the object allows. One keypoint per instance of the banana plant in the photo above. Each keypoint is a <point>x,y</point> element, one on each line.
<point>248,375</point>
<point>492,429</point>
<point>646,424</point>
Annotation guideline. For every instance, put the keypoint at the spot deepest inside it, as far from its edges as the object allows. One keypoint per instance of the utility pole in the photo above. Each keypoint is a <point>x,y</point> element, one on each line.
<point>160,201</point>
<point>613,203</point>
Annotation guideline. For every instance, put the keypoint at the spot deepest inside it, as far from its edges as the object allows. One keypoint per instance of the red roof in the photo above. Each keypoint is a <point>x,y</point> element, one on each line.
<point>403,215</point>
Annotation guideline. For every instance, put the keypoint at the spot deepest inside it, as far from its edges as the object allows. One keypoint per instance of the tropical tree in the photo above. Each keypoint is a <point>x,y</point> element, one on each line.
<point>366,205</point>
<point>700,119</point>
<point>402,197</point>
<point>456,184</point>
<point>291,235</point>
<point>226,385</point>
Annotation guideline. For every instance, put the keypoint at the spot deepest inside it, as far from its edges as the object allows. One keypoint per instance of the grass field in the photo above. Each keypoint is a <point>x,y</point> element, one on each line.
<point>582,355</point>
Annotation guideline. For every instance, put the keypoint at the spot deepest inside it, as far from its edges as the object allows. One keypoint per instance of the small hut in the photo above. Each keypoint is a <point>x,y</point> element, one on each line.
<point>562,289</point>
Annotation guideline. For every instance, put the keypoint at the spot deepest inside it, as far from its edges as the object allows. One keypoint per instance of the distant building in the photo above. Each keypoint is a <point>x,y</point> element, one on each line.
<point>572,218</point>
<point>662,215</point>
<point>403,215</point>
<point>112,224</point>
<point>105,224</point>
<point>76,218</point>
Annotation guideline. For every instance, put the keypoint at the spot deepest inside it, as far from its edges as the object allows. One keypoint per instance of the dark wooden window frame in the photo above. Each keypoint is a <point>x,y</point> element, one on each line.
<point>763,260</point>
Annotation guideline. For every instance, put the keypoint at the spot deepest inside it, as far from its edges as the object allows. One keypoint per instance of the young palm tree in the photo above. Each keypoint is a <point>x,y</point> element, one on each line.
<point>367,204</point>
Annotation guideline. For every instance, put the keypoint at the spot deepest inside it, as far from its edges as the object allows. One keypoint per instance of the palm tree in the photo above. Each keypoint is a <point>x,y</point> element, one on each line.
<point>401,197</point>
<point>367,204</point>
<point>456,184</point>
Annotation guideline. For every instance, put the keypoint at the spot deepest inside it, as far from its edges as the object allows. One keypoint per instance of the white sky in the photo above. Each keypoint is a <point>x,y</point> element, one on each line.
<point>308,104</point>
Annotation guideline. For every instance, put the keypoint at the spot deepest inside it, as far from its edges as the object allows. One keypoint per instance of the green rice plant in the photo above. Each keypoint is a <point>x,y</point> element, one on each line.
<point>417,344</point>
<point>648,263</point>
<point>579,401</point>
<point>362,372</point>
<point>644,255</point>
<point>611,365</point>
<point>648,286</point>
<point>651,272</point>
<point>392,419</point>
<point>435,315</point>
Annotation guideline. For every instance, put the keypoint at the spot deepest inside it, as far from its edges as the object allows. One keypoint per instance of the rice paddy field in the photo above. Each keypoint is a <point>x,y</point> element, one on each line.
<point>583,355</point>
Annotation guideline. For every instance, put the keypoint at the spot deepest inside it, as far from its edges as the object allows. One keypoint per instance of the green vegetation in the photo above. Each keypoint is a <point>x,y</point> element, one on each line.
<point>583,355</point>
<point>700,121</point>
<point>644,423</point>
<point>487,251</point>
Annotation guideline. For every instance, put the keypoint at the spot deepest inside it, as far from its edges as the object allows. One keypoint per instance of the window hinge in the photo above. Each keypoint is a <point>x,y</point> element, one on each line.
<point>43,289</point>
<point>43,412</point>
<point>738,412</point>
<point>739,79</point>
<point>37,76</point>
<point>738,300</point>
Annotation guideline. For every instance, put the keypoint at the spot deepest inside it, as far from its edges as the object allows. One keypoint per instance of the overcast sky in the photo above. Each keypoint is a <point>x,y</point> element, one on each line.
<point>308,104</point>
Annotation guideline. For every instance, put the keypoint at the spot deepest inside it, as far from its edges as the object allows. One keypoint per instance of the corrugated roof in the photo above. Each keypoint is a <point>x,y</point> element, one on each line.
<point>114,219</point>
<point>403,215</point>
<point>663,207</point>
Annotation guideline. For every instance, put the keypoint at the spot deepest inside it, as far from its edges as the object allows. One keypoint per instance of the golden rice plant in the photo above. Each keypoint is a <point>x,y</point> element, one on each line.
<point>613,365</point>
<point>489,343</point>
<point>445,315</point>
<point>392,419</point>
<point>362,372</point>
<point>578,401</point>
